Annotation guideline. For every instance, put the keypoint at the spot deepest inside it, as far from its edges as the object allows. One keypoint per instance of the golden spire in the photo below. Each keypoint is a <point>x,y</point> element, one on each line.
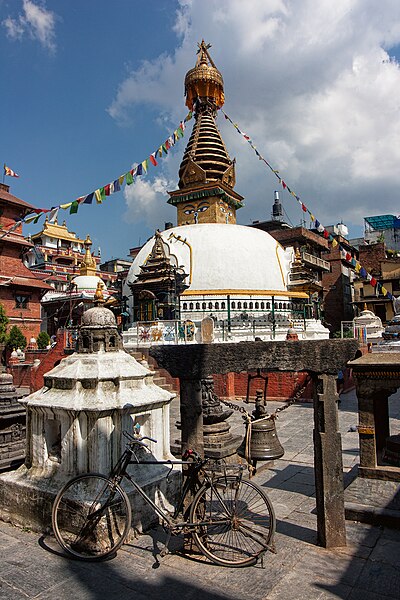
<point>88,265</point>
<point>206,174</point>
<point>204,80</point>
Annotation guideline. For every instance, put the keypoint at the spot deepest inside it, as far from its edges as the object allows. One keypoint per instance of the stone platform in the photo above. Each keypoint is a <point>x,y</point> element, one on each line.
<point>373,501</point>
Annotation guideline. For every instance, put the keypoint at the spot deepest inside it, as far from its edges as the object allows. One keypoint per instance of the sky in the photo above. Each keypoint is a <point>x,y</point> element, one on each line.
<point>91,88</point>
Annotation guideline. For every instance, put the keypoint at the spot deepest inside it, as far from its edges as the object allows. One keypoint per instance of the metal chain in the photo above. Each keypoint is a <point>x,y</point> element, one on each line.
<point>273,415</point>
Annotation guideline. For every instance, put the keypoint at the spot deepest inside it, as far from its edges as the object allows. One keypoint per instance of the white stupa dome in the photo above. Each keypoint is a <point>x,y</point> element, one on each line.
<point>88,284</point>
<point>223,258</point>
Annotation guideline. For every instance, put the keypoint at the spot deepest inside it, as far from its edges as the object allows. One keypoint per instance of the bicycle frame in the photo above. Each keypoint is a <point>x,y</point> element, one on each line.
<point>120,472</point>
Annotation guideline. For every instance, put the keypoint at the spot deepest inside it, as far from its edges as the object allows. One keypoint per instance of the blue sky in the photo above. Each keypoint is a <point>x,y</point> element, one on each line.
<point>91,88</point>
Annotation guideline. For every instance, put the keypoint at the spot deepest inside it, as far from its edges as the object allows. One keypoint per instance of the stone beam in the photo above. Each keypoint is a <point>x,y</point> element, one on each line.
<point>197,361</point>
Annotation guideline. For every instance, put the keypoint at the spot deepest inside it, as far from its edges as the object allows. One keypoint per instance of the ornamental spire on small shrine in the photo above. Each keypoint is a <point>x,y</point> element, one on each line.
<point>88,265</point>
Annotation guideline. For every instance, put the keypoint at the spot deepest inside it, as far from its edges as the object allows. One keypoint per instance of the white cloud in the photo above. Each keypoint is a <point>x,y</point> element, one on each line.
<point>36,21</point>
<point>145,201</point>
<point>314,86</point>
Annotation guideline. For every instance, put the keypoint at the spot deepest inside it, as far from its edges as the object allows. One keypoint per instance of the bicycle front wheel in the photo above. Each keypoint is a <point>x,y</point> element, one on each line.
<point>236,521</point>
<point>91,517</point>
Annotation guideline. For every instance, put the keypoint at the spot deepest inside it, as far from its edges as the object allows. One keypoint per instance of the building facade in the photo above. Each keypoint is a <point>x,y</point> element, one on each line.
<point>20,289</point>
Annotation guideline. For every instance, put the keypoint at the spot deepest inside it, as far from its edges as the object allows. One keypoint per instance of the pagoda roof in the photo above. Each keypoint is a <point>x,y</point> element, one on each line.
<point>5,196</point>
<point>55,230</point>
<point>26,282</point>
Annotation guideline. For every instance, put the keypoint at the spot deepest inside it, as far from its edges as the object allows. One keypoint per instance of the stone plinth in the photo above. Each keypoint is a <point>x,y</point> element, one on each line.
<point>12,425</point>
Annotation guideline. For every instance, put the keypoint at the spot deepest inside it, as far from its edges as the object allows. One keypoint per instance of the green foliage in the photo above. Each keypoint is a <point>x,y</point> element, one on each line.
<point>16,338</point>
<point>346,334</point>
<point>3,325</point>
<point>43,340</point>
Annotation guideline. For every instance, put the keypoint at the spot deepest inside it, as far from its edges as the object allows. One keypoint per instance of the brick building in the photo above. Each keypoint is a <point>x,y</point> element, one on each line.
<point>20,289</point>
<point>57,255</point>
<point>385,267</point>
<point>338,283</point>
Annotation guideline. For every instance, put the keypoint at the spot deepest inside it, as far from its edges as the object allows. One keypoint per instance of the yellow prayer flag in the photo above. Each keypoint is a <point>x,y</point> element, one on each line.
<point>358,267</point>
<point>384,290</point>
<point>30,219</point>
<point>312,217</point>
<point>99,199</point>
<point>334,243</point>
<point>145,165</point>
<point>65,206</point>
<point>121,179</point>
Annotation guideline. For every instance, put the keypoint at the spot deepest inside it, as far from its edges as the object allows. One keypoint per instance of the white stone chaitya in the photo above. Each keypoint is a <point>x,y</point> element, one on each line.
<point>75,424</point>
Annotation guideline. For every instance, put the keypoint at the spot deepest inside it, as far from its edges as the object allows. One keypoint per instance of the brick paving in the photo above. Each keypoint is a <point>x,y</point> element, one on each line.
<point>368,568</point>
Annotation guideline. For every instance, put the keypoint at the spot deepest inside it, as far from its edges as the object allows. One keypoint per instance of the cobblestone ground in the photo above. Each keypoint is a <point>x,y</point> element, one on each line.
<point>368,568</point>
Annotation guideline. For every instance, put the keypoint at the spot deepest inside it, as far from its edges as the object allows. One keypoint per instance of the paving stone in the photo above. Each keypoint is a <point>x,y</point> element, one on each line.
<point>387,551</point>
<point>380,578</point>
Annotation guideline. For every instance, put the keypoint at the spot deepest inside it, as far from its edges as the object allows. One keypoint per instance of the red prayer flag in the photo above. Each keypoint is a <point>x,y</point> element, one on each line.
<point>373,281</point>
<point>152,158</point>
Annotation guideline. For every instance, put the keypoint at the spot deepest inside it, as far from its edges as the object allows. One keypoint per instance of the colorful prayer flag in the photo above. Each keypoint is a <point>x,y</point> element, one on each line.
<point>152,158</point>
<point>9,172</point>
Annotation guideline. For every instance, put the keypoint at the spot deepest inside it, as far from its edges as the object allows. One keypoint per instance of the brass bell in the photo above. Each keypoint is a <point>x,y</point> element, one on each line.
<point>262,440</point>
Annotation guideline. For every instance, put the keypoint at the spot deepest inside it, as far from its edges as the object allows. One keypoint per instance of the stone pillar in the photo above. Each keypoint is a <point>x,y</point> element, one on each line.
<point>328,466</point>
<point>366,430</point>
<point>191,415</point>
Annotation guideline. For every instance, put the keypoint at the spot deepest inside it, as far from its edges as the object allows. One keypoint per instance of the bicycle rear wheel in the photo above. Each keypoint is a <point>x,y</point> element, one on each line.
<point>236,521</point>
<point>91,517</point>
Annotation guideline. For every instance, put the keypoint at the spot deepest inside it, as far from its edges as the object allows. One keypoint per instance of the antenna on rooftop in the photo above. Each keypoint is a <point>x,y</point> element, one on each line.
<point>277,211</point>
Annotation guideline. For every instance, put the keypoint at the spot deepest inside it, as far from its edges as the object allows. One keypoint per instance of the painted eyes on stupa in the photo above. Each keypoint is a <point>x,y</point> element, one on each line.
<point>191,209</point>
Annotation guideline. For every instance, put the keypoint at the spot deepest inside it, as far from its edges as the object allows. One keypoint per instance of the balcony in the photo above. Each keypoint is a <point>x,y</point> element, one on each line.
<point>315,262</point>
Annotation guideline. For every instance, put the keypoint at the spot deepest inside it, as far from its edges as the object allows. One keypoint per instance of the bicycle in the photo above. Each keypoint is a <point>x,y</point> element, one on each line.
<point>231,519</point>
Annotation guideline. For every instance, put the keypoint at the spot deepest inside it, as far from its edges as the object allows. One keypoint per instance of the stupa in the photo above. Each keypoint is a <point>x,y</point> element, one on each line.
<point>238,275</point>
<point>75,423</point>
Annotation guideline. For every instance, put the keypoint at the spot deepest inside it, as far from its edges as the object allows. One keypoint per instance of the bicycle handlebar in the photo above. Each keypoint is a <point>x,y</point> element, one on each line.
<point>138,440</point>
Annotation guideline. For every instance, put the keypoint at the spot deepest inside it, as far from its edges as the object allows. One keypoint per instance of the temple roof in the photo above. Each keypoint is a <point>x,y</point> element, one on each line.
<point>57,231</point>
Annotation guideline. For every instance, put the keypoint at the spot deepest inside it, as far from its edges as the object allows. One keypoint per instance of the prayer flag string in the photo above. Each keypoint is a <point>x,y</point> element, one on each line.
<point>102,192</point>
<point>345,255</point>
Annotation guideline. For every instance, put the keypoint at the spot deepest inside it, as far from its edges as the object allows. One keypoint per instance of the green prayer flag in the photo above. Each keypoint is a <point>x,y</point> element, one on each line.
<point>129,178</point>
<point>74,208</point>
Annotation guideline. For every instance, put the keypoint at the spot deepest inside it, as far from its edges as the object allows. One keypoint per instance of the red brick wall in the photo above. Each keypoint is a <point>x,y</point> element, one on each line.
<point>281,385</point>
<point>371,257</point>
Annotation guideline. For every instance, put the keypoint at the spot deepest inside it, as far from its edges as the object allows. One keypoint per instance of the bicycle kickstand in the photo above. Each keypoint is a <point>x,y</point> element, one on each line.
<point>165,550</point>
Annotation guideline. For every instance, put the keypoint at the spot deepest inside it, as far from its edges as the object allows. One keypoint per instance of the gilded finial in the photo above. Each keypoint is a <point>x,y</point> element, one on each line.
<point>98,295</point>
<point>204,80</point>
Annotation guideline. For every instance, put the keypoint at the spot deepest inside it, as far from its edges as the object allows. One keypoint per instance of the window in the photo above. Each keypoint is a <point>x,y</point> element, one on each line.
<point>21,301</point>
<point>256,305</point>
<point>233,305</point>
<point>210,306</point>
<point>190,305</point>
<point>197,305</point>
<point>244,304</point>
<point>223,305</point>
<point>217,306</point>
<point>184,306</point>
<point>203,305</point>
<point>262,306</point>
<point>251,305</point>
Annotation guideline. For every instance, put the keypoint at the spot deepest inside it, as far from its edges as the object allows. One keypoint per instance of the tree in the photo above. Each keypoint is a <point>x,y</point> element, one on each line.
<point>3,325</point>
<point>43,340</point>
<point>16,338</point>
